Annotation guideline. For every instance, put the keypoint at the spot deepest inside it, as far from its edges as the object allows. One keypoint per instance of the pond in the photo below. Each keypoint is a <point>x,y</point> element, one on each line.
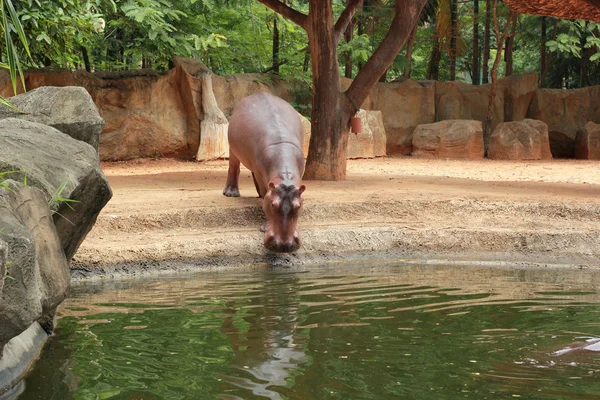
<point>350,332</point>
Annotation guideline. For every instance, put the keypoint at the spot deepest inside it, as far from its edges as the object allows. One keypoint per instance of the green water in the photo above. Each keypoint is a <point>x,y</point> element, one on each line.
<point>401,332</point>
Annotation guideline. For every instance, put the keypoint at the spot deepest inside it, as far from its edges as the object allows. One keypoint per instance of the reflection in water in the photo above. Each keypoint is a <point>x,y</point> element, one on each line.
<point>270,349</point>
<point>354,333</point>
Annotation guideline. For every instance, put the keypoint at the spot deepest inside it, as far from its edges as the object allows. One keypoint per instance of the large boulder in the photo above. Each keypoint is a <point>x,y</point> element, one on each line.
<point>588,142</point>
<point>566,111</point>
<point>404,105</point>
<point>449,139</point>
<point>62,168</point>
<point>71,110</point>
<point>369,143</point>
<point>38,274</point>
<point>520,140</point>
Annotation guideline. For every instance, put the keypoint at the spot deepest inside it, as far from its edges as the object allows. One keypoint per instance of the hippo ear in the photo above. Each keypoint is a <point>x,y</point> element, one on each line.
<point>302,189</point>
<point>271,184</point>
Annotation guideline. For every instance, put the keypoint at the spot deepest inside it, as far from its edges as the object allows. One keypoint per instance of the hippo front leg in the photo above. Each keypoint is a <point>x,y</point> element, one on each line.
<point>233,177</point>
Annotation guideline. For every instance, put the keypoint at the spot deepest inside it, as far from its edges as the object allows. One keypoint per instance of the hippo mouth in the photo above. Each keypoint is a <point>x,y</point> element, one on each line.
<point>277,245</point>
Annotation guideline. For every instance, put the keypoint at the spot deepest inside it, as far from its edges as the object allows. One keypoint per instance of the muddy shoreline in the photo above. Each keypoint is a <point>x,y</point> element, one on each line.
<point>169,216</point>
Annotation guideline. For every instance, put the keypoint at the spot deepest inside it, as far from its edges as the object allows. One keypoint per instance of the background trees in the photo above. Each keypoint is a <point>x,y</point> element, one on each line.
<point>232,36</point>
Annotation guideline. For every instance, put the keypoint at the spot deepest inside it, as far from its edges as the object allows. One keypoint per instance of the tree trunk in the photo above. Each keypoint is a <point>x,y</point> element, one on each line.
<point>276,62</point>
<point>500,38</point>
<point>549,59</point>
<point>86,59</point>
<point>306,61</point>
<point>486,41</point>
<point>453,36</point>
<point>409,51</point>
<point>543,50</point>
<point>433,66</point>
<point>348,35</point>
<point>332,109</point>
<point>510,41</point>
<point>329,120</point>
<point>476,61</point>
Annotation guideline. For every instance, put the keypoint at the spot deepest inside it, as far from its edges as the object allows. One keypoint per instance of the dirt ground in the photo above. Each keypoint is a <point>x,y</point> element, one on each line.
<point>170,215</point>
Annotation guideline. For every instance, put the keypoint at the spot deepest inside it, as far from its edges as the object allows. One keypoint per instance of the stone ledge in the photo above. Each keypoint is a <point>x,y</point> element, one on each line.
<point>18,357</point>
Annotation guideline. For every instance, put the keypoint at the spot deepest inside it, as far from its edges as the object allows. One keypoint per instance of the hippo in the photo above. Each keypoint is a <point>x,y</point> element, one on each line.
<point>266,135</point>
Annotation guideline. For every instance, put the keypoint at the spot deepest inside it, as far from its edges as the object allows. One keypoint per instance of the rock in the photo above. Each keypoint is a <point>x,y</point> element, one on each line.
<point>230,89</point>
<point>306,127</point>
<point>566,111</point>
<point>520,140</point>
<point>374,123</point>
<point>3,252</point>
<point>71,110</point>
<point>38,271</point>
<point>371,142</point>
<point>561,145</point>
<point>404,106</point>
<point>518,91</point>
<point>52,160</point>
<point>587,145</point>
<point>145,116</point>
<point>458,100</point>
<point>449,139</point>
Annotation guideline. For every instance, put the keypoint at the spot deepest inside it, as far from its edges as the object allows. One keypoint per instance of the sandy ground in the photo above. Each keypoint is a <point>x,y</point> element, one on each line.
<point>170,215</point>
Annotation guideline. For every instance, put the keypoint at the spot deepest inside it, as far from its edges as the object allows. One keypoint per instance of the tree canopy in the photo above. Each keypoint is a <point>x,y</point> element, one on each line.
<point>233,36</point>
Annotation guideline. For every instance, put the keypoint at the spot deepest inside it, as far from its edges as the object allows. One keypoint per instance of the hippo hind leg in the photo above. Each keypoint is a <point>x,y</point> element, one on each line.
<point>256,185</point>
<point>233,177</point>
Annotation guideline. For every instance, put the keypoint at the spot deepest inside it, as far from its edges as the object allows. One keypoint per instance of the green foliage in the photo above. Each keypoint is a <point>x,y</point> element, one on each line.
<point>236,36</point>
<point>576,36</point>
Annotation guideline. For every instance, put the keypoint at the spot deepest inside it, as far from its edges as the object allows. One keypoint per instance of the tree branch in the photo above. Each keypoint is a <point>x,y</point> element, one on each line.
<point>287,12</point>
<point>406,16</point>
<point>345,18</point>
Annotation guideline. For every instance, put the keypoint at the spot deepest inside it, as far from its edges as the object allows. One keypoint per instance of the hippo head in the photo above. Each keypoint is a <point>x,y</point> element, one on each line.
<point>282,205</point>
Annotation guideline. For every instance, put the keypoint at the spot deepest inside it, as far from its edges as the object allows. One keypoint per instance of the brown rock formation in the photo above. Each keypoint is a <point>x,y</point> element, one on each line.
<point>449,139</point>
<point>566,111</point>
<point>587,145</point>
<point>403,105</point>
<point>520,140</point>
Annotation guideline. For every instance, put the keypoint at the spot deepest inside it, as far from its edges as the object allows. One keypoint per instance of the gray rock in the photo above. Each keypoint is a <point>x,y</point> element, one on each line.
<point>51,160</point>
<point>38,273</point>
<point>69,109</point>
<point>18,357</point>
<point>3,251</point>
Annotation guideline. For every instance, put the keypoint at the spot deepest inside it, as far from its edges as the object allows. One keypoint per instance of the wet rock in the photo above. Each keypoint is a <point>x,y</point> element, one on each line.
<point>520,140</point>
<point>3,251</point>
<point>566,111</point>
<point>38,273</point>
<point>449,139</point>
<point>71,110</point>
<point>61,167</point>
<point>561,145</point>
<point>587,144</point>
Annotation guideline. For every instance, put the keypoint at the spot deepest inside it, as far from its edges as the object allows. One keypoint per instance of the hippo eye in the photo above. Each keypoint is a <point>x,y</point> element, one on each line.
<point>275,204</point>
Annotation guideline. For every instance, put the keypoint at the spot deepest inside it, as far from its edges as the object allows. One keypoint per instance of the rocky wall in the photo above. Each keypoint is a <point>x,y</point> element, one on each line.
<point>153,115</point>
